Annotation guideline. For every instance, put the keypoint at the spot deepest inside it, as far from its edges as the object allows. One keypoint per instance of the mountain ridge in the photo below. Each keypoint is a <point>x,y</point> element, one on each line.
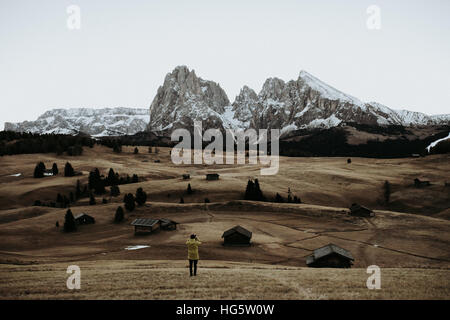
<point>183,98</point>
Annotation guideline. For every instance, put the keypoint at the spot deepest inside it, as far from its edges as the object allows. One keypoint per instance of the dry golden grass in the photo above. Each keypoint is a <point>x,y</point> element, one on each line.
<point>216,280</point>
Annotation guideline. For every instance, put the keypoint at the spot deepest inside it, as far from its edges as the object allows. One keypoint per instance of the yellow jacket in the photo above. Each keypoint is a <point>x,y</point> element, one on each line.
<point>192,245</point>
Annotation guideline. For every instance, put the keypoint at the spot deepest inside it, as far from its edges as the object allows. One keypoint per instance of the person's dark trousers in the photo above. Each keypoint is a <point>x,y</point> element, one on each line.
<point>193,263</point>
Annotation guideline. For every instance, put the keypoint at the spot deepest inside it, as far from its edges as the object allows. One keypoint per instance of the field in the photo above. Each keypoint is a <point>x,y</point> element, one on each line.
<point>408,238</point>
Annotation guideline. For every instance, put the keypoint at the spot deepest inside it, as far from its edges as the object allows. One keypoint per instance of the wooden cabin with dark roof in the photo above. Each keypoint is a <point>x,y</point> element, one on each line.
<point>330,256</point>
<point>237,236</point>
<point>212,176</point>
<point>145,226</point>
<point>84,218</point>
<point>360,211</point>
<point>167,224</point>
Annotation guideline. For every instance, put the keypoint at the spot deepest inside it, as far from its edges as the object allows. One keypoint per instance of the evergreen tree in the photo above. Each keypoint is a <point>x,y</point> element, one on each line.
<point>115,191</point>
<point>68,170</point>
<point>189,189</point>
<point>135,178</point>
<point>278,198</point>
<point>92,201</point>
<point>39,170</point>
<point>55,169</point>
<point>69,222</point>
<point>181,200</point>
<point>149,149</point>
<point>136,150</point>
<point>387,191</point>
<point>119,216</point>
<point>258,193</point>
<point>141,196</point>
<point>250,190</point>
<point>59,198</point>
<point>129,200</point>
<point>117,147</point>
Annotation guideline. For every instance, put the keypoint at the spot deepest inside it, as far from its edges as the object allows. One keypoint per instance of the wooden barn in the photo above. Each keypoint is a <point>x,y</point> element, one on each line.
<point>83,218</point>
<point>418,183</point>
<point>212,176</point>
<point>360,211</point>
<point>330,256</point>
<point>145,226</point>
<point>167,224</point>
<point>237,236</point>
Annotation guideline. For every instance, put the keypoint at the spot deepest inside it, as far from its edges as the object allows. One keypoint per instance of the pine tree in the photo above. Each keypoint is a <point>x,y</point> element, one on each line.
<point>189,189</point>
<point>181,200</point>
<point>39,170</point>
<point>92,201</point>
<point>258,193</point>
<point>129,202</point>
<point>111,180</point>
<point>115,191</point>
<point>135,178</point>
<point>68,170</point>
<point>59,198</point>
<point>278,198</point>
<point>119,216</point>
<point>55,169</point>
<point>250,190</point>
<point>69,222</point>
<point>149,149</point>
<point>136,150</point>
<point>141,196</point>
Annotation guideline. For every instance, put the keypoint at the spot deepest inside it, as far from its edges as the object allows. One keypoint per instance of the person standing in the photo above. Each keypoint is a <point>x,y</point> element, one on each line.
<point>192,244</point>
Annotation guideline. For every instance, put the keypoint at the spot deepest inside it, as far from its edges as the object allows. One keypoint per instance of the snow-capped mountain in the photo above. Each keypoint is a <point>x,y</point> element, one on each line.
<point>184,98</point>
<point>303,103</point>
<point>95,122</point>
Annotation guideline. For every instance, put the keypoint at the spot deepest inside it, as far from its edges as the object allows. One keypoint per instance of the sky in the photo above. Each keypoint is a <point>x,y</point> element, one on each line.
<point>123,49</point>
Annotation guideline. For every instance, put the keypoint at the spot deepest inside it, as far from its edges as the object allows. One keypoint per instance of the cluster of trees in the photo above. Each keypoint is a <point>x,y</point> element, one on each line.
<point>40,169</point>
<point>333,143</point>
<point>98,182</point>
<point>253,191</point>
<point>64,201</point>
<point>24,143</point>
<point>130,200</point>
<point>441,148</point>
<point>290,199</point>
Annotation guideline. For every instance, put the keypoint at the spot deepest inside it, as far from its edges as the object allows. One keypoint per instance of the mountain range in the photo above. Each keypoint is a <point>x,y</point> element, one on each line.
<point>183,98</point>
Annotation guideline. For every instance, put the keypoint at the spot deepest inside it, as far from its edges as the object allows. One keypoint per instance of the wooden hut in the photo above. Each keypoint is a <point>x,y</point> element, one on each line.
<point>237,236</point>
<point>212,176</point>
<point>360,211</point>
<point>145,226</point>
<point>418,183</point>
<point>167,224</point>
<point>330,256</point>
<point>83,218</point>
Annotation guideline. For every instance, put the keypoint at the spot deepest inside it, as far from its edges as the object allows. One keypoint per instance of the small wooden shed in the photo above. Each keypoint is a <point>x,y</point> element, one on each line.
<point>145,226</point>
<point>360,211</point>
<point>84,218</point>
<point>167,224</point>
<point>418,183</point>
<point>330,256</point>
<point>212,176</point>
<point>237,236</point>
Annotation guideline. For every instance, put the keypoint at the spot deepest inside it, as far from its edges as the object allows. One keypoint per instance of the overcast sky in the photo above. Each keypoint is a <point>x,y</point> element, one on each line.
<point>124,49</point>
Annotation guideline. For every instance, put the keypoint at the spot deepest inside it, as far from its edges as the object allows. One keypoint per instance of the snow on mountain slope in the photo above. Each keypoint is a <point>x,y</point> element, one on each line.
<point>183,98</point>
<point>96,122</point>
